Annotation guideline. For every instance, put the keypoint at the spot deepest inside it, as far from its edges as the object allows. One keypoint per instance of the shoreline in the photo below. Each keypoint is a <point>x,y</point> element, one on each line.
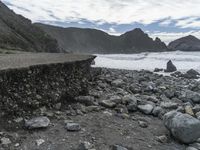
<point>122,107</point>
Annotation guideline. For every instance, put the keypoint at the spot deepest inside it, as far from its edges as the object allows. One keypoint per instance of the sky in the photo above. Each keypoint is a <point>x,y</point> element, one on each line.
<point>166,19</point>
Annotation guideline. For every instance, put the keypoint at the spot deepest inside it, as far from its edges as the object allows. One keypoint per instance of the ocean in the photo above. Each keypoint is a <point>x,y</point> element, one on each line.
<point>149,61</point>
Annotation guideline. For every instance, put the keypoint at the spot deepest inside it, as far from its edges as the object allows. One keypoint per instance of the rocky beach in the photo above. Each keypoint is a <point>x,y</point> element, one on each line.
<point>122,110</point>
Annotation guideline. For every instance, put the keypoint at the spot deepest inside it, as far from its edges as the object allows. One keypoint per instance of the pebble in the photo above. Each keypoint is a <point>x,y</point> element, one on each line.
<point>5,141</point>
<point>85,146</point>
<point>143,124</point>
<point>191,148</point>
<point>118,147</point>
<point>40,142</point>
<point>169,105</point>
<point>162,139</point>
<point>73,126</point>
<point>107,104</point>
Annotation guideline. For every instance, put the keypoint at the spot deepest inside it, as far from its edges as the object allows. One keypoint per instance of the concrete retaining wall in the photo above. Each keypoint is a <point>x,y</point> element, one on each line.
<point>25,89</point>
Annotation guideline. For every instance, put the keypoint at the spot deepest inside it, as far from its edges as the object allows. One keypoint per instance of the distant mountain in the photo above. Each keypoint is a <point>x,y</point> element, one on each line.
<point>80,40</point>
<point>188,43</point>
<point>17,32</point>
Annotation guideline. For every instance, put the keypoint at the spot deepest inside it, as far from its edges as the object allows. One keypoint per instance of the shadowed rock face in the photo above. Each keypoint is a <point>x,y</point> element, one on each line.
<point>17,32</point>
<point>188,43</point>
<point>96,41</point>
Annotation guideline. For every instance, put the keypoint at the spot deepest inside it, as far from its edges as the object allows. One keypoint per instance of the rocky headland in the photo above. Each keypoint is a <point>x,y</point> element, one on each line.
<point>188,43</point>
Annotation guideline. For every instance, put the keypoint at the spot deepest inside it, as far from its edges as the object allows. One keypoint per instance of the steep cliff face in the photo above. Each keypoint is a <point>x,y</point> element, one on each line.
<point>79,40</point>
<point>188,43</point>
<point>17,32</point>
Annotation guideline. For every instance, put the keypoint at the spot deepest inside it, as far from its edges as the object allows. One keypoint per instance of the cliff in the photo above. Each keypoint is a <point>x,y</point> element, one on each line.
<point>78,40</point>
<point>17,32</point>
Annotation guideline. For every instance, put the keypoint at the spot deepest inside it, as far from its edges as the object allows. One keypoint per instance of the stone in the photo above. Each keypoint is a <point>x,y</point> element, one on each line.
<point>188,110</point>
<point>18,120</point>
<point>143,124</point>
<point>170,67</point>
<point>17,145</point>
<point>85,146</point>
<point>107,104</point>
<point>158,70</point>
<point>157,111</point>
<point>38,122</point>
<point>123,115</point>
<point>40,142</point>
<point>198,114</point>
<point>150,87</point>
<point>121,109</point>
<point>58,106</point>
<point>169,105</point>
<point>115,99</point>
<point>146,109</point>
<point>190,95</point>
<point>5,141</point>
<point>180,109</point>
<point>132,107</point>
<point>117,83</point>
<point>118,147</point>
<point>127,99</point>
<point>70,126</point>
<point>196,108</point>
<point>87,100</point>
<point>92,108</point>
<point>169,93</point>
<point>162,139</point>
<point>183,127</point>
<point>191,148</point>
<point>191,74</point>
<point>195,145</point>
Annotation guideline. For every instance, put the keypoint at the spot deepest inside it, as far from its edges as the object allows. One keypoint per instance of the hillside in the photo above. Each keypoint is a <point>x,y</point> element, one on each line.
<point>80,40</point>
<point>188,43</point>
<point>17,32</point>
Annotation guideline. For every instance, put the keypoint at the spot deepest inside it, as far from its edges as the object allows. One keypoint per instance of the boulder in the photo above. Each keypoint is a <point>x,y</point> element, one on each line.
<point>158,70</point>
<point>37,122</point>
<point>183,127</point>
<point>170,67</point>
<point>191,74</point>
<point>146,109</point>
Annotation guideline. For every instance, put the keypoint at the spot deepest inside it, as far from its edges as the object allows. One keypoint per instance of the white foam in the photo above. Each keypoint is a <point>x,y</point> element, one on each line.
<point>149,61</point>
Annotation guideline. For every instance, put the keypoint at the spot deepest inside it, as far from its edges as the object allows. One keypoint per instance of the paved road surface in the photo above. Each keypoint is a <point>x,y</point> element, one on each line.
<point>8,61</point>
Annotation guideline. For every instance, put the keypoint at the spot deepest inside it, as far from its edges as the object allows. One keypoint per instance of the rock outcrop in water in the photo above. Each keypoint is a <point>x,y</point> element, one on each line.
<point>96,41</point>
<point>188,43</point>
<point>18,33</point>
<point>170,67</point>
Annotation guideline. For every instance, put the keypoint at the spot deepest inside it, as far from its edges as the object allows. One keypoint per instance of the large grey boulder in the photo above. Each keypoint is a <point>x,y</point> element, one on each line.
<point>183,127</point>
<point>191,74</point>
<point>37,122</point>
<point>190,96</point>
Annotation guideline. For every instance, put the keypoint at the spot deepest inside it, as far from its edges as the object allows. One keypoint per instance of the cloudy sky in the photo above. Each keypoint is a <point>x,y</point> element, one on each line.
<point>167,19</point>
